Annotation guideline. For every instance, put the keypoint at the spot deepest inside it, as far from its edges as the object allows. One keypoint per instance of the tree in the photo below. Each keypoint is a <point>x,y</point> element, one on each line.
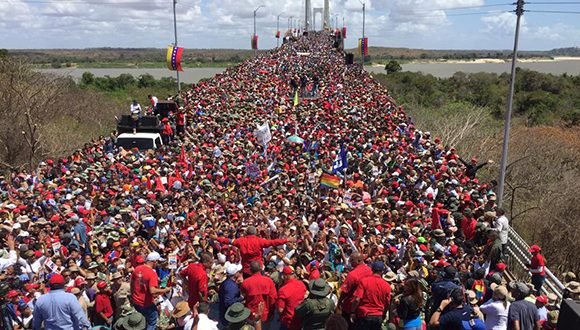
<point>393,66</point>
<point>87,78</point>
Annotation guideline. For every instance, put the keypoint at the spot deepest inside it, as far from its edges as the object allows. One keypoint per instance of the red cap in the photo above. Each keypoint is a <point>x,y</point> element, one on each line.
<point>56,279</point>
<point>139,259</point>
<point>287,270</point>
<point>500,266</point>
<point>102,284</point>
<point>31,286</point>
<point>37,254</point>
<point>12,294</point>
<point>534,248</point>
<point>543,299</point>
<point>80,281</point>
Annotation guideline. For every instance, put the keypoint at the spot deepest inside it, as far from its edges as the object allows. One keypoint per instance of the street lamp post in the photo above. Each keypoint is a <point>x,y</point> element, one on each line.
<point>175,33</point>
<point>255,11</point>
<point>362,56</point>
<point>278,30</point>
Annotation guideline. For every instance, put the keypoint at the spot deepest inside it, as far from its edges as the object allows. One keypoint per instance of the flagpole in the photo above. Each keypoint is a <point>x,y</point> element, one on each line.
<point>175,33</point>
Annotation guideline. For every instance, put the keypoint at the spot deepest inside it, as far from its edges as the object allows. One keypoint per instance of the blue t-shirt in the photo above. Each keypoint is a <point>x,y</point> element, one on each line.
<point>452,319</point>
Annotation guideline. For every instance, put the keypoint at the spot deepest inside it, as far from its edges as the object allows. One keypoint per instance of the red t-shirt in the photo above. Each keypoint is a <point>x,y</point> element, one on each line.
<point>259,288</point>
<point>197,283</point>
<point>375,294</point>
<point>142,279</point>
<point>289,297</point>
<point>251,248</point>
<point>536,262</point>
<point>468,227</point>
<point>351,283</point>
<point>103,304</point>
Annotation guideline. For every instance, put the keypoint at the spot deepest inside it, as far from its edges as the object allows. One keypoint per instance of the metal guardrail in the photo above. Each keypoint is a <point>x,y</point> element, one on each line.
<point>519,257</point>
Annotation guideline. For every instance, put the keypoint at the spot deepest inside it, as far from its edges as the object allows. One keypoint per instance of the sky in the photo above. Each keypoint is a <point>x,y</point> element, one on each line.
<point>427,24</point>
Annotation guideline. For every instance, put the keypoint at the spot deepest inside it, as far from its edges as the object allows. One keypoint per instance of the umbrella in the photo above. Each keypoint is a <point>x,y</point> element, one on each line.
<point>295,139</point>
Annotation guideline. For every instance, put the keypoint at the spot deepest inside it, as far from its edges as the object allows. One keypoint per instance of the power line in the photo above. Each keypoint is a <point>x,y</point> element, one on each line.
<point>554,3</point>
<point>553,12</point>
<point>462,14</point>
<point>454,8</point>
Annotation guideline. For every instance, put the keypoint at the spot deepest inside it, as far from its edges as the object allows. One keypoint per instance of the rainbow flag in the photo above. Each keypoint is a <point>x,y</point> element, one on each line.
<point>329,180</point>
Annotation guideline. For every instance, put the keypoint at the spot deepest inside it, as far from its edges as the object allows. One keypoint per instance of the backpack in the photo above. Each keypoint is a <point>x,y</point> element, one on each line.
<point>480,290</point>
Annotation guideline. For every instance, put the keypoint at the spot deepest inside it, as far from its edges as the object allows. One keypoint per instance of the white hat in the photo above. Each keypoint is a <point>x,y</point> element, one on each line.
<point>16,226</point>
<point>154,256</point>
<point>231,269</point>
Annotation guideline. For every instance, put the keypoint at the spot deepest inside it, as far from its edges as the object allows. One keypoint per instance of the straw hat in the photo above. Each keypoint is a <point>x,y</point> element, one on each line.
<point>181,309</point>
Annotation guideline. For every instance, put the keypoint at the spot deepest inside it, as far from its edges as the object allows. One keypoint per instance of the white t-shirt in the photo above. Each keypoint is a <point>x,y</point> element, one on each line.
<point>496,315</point>
<point>135,109</point>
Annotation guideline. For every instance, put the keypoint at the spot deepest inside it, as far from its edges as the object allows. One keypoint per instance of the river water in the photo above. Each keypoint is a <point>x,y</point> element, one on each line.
<point>441,70</point>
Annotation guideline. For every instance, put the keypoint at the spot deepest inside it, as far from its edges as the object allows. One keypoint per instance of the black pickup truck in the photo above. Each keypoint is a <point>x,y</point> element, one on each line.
<point>147,124</point>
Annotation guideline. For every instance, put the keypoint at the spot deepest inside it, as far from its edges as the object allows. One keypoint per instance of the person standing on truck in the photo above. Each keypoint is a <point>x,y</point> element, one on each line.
<point>154,100</point>
<point>135,115</point>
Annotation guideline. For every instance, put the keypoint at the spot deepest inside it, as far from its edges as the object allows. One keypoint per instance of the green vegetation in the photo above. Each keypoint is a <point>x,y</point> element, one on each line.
<point>393,66</point>
<point>540,99</point>
<point>125,87</point>
<point>128,58</point>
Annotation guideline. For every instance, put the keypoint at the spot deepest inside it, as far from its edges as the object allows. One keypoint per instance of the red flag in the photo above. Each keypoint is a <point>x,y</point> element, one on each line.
<point>344,32</point>
<point>159,185</point>
<point>149,184</point>
<point>190,171</point>
<point>182,156</point>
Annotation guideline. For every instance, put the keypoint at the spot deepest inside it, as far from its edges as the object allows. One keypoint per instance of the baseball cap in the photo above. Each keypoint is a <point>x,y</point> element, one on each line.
<point>56,279</point>
<point>378,266</point>
<point>534,248</point>
<point>232,268</point>
<point>154,256</point>
<point>102,284</point>
<point>12,294</point>
<point>287,270</point>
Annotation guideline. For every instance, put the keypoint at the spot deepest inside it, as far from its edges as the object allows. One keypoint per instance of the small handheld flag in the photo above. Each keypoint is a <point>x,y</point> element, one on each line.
<point>174,58</point>
<point>296,98</point>
<point>329,180</point>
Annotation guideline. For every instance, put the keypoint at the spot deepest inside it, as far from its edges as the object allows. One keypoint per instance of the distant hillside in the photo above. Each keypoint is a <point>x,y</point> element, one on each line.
<point>570,51</point>
<point>155,57</point>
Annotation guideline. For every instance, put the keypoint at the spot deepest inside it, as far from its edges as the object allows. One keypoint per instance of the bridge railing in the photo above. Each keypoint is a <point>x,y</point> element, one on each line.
<point>519,257</point>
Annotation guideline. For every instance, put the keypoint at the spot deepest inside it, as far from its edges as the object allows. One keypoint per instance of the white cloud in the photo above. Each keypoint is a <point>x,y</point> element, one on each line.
<point>502,24</point>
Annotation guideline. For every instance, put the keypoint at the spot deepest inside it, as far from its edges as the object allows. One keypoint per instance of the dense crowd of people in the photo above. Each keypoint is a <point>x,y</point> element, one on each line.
<point>225,228</point>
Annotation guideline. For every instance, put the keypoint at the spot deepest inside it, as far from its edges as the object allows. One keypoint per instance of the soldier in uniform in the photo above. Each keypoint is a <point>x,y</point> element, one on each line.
<point>317,308</point>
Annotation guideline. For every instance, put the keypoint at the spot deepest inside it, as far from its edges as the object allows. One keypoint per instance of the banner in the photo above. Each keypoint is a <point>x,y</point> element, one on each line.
<point>174,58</point>
<point>278,34</point>
<point>341,162</point>
<point>344,32</point>
<point>363,46</point>
<point>263,134</point>
<point>254,41</point>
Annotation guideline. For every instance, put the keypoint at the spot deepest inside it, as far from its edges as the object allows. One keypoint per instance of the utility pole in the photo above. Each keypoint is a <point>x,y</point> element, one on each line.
<point>175,33</point>
<point>254,37</point>
<point>508,116</point>
<point>278,30</point>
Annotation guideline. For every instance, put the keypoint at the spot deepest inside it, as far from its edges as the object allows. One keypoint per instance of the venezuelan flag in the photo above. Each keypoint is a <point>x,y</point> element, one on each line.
<point>329,180</point>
